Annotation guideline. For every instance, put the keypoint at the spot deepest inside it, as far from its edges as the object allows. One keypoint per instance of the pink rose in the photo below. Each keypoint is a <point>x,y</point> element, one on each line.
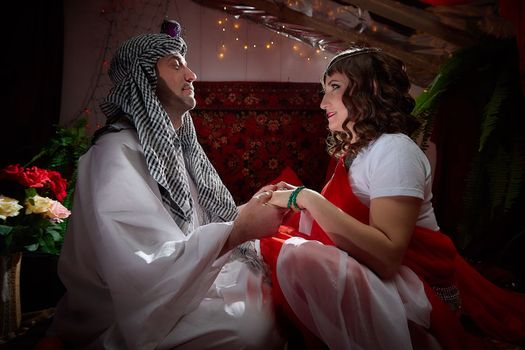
<point>57,212</point>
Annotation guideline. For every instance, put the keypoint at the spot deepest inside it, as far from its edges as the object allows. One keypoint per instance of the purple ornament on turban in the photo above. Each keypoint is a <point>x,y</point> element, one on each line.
<point>171,27</point>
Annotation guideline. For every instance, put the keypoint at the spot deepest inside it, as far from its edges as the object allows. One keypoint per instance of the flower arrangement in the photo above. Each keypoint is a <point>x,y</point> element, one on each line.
<point>31,213</point>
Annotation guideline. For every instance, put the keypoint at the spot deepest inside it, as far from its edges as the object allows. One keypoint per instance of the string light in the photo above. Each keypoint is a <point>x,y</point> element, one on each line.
<point>235,25</point>
<point>129,21</point>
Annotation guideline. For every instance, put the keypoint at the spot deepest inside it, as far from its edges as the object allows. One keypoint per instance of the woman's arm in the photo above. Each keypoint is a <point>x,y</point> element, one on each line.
<point>380,245</point>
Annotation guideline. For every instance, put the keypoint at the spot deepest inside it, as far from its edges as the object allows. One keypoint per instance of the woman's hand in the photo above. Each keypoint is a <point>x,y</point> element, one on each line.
<point>279,194</point>
<point>280,198</point>
<point>284,186</point>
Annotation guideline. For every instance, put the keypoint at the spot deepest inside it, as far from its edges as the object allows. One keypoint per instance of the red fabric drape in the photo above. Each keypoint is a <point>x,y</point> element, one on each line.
<point>433,257</point>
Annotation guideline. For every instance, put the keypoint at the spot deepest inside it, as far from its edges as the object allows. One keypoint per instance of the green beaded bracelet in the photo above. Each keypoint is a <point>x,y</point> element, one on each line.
<point>293,198</point>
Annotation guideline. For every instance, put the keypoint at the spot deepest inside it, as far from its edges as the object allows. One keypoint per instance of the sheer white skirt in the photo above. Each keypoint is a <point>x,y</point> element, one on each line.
<point>345,304</point>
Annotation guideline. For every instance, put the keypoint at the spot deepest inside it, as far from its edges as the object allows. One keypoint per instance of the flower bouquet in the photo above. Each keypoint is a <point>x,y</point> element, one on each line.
<point>31,213</point>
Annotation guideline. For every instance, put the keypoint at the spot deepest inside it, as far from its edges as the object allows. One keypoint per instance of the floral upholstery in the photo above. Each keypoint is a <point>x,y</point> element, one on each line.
<point>252,131</point>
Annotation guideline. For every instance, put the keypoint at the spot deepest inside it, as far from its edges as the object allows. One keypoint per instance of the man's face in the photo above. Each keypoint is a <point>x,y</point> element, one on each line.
<point>175,83</point>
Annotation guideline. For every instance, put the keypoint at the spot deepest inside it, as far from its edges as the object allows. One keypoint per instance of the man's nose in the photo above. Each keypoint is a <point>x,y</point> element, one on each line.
<point>189,75</point>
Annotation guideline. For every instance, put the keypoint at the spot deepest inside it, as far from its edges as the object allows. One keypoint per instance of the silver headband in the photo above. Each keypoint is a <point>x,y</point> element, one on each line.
<point>350,53</point>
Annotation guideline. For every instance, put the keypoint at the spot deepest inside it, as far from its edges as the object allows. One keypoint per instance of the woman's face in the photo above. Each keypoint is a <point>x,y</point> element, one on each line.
<point>334,87</point>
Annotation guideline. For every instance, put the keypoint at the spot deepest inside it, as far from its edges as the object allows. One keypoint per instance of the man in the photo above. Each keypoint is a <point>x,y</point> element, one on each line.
<point>147,259</point>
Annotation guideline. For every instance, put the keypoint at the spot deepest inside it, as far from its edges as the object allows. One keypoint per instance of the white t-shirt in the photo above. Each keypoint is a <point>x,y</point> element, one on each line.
<point>394,165</point>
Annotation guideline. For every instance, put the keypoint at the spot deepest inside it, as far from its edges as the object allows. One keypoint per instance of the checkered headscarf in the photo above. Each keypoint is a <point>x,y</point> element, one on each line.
<point>132,71</point>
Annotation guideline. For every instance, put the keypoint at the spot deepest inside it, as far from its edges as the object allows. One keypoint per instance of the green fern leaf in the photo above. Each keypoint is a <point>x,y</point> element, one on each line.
<point>492,109</point>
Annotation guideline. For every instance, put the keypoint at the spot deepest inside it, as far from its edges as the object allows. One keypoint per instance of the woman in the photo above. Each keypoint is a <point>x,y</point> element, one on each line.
<point>392,281</point>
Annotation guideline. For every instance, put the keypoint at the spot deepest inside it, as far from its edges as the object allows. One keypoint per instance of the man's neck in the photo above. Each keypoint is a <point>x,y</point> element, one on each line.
<point>176,118</point>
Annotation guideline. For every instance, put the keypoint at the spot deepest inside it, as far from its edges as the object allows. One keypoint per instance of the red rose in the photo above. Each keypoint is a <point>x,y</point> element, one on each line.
<point>29,177</point>
<point>57,184</point>
<point>33,177</point>
<point>11,172</point>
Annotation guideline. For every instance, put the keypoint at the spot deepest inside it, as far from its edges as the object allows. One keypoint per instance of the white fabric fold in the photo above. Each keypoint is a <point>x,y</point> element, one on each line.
<point>132,275</point>
<point>344,303</point>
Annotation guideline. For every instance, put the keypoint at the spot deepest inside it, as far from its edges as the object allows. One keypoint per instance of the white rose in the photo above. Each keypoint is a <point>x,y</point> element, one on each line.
<point>9,207</point>
<point>38,205</point>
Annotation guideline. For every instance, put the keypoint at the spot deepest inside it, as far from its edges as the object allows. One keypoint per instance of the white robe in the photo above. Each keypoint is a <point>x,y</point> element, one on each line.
<point>135,281</point>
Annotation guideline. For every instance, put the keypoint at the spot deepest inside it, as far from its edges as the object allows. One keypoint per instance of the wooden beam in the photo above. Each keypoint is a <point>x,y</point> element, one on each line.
<point>414,18</point>
<point>422,68</point>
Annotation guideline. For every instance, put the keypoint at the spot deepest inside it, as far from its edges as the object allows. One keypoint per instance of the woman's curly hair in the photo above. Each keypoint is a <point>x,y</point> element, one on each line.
<point>376,98</point>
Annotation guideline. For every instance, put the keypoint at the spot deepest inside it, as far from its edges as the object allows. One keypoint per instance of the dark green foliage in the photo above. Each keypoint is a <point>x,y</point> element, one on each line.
<point>492,209</point>
<point>62,154</point>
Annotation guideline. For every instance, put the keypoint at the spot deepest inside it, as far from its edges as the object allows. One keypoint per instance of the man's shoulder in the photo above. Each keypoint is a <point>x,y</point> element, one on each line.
<point>115,147</point>
<point>118,138</point>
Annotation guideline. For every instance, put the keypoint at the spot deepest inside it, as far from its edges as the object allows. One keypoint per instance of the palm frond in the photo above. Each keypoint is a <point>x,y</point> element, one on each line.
<point>428,101</point>
<point>492,109</point>
<point>515,184</point>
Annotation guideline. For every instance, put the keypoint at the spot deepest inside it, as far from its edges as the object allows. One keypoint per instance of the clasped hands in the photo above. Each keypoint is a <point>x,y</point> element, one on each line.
<point>281,195</point>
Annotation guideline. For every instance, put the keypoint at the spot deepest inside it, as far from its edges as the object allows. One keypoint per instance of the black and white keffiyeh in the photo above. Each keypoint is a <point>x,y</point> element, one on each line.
<point>132,71</point>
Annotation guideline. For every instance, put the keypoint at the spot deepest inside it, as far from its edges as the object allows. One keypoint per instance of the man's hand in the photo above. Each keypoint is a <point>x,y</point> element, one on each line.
<point>255,220</point>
